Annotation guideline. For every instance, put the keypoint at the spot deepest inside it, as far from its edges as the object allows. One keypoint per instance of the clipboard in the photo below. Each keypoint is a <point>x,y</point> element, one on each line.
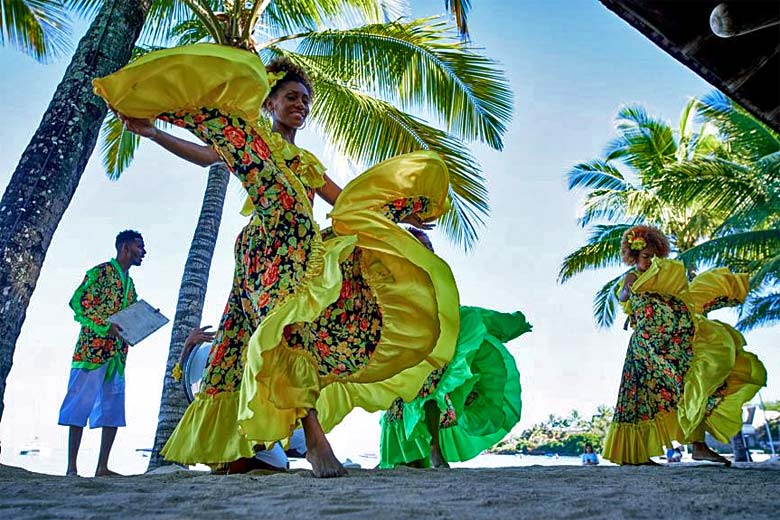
<point>138,321</point>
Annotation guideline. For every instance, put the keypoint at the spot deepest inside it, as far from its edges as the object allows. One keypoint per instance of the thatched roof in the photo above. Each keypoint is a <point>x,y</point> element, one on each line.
<point>745,64</point>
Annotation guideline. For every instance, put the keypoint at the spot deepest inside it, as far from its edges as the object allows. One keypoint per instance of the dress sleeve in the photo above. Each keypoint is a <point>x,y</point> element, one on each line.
<point>716,289</point>
<point>665,277</point>
<point>86,302</point>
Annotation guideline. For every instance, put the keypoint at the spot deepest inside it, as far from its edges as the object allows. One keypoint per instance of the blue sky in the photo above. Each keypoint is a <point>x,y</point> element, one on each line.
<point>572,64</point>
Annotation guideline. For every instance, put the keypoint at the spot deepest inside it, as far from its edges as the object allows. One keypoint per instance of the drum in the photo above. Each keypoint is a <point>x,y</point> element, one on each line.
<point>192,369</point>
<point>192,373</point>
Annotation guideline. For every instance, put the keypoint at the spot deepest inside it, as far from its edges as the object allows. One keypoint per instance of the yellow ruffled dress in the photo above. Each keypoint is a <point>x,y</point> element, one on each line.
<point>355,317</point>
<point>684,374</point>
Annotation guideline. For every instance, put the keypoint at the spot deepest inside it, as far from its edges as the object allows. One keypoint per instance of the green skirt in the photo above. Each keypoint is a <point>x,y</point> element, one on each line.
<point>477,394</point>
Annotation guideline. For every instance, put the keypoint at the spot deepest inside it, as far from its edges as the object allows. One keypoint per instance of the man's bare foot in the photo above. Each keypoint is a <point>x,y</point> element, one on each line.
<point>71,473</point>
<point>105,472</point>
<point>323,462</point>
<point>703,452</point>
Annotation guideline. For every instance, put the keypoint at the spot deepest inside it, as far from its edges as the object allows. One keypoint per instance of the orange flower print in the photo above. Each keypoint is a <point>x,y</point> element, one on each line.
<point>287,200</point>
<point>270,276</point>
<point>260,148</point>
<point>322,348</point>
<point>236,136</point>
<point>218,355</point>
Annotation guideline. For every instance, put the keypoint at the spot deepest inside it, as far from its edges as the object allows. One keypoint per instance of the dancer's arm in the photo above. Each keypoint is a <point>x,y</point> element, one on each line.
<point>329,191</point>
<point>195,153</point>
<point>625,293</point>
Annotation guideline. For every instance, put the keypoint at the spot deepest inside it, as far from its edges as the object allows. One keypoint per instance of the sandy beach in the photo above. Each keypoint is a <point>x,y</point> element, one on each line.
<point>528,492</point>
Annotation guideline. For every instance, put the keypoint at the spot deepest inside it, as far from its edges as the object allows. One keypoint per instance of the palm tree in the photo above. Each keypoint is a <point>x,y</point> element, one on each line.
<point>51,166</point>
<point>360,108</point>
<point>746,187</point>
<point>646,148</point>
<point>40,29</point>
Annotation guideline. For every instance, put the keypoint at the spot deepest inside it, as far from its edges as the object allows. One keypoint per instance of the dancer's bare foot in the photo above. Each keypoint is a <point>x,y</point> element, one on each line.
<point>72,473</point>
<point>437,459</point>
<point>105,472</point>
<point>323,462</point>
<point>703,452</point>
<point>320,455</point>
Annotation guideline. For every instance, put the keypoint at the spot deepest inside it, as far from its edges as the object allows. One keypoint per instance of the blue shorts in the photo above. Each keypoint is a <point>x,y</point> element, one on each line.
<point>92,396</point>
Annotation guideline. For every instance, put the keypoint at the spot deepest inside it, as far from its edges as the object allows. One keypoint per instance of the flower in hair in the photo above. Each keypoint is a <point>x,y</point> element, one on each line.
<point>636,243</point>
<point>274,77</point>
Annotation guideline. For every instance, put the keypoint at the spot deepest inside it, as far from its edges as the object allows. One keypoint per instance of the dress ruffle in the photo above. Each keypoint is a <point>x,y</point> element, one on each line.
<point>721,377</point>
<point>188,78</point>
<point>413,288</point>
<point>481,383</point>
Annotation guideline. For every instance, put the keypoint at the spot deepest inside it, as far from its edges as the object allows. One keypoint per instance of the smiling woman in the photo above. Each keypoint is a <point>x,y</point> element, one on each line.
<point>316,323</point>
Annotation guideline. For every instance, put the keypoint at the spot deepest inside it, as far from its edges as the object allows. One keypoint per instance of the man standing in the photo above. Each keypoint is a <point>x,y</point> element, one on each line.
<point>96,390</point>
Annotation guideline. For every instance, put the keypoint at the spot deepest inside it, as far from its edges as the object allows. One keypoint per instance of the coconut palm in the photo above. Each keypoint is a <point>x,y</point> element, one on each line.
<point>366,78</point>
<point>622,189</point>
<point>51,166</point>
<point>38,28</point>
<point>746,186</point>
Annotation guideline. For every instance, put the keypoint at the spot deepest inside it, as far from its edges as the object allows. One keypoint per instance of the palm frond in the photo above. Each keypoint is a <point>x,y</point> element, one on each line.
<point>644,143</point>
<point>596,175</point>
<point>368,130</point>
<point>768,272</point>
<point>601,205</point>
<point>601,250</point>
<point>417,65</point>
<point>747,245</point>
<point>460,12</point>
<point>189,31</point>
<point>760,311</point>
<point>747,135</point>
<point>118,146</point>
<point>294,16</point>
<point>39,28</point>
<point>716,183</point>
<point>605,303</point>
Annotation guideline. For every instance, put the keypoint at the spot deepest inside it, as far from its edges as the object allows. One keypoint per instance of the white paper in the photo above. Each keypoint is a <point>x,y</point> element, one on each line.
<point>138,321</point>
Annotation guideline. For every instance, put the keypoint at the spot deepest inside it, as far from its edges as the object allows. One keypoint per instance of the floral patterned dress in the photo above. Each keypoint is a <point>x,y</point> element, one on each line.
<point>684,374</point>
<point>313,320</point>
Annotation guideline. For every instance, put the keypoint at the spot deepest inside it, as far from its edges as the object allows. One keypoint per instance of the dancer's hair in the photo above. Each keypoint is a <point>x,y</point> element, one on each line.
<point>640,237</point>
<point>292,72</point>
<point>125,237</point>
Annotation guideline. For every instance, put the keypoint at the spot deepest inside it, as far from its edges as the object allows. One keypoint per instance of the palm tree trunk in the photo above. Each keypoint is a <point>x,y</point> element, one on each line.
<point>50,168</point>
<point>189,308</point>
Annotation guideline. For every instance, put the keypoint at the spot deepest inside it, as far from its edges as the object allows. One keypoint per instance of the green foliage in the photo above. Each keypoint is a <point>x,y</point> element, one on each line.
<point>713,187</point>
<point>38,28</point>
<point>560,435</point>
<point>370,77</point>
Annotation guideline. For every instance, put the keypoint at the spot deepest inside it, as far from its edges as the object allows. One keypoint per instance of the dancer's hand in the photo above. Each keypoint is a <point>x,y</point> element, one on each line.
<point>415,221</point>
<point>142,127</point>
<point>199,335</point>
